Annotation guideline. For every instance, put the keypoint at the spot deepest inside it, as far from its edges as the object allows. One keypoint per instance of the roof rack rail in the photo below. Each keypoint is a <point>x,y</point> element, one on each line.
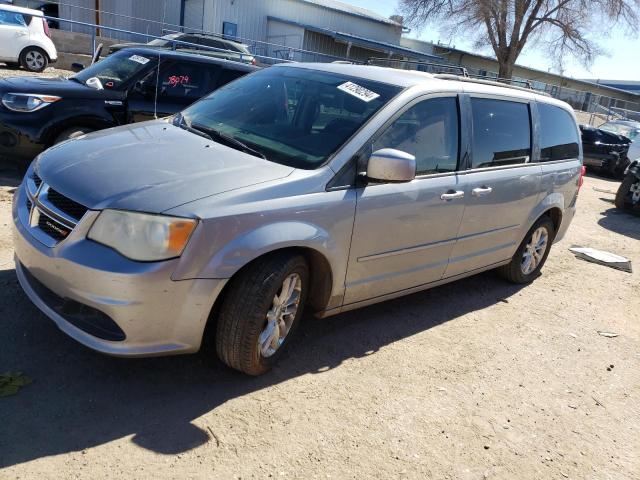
<point>485,81</point>
<point>507,81</point>
<point>428,67</point>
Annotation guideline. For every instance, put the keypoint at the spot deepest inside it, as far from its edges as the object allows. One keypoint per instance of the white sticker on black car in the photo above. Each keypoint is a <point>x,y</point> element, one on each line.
<point>358,91</point>
<point>139,59</point>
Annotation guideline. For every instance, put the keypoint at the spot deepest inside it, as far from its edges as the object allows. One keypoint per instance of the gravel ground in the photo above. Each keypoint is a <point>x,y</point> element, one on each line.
<point>20,72</point>
<point>476,379</point>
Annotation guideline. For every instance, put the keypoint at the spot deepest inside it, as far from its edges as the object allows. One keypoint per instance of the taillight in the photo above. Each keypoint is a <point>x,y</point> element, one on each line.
<point>45,25</point>
<point>253,61</point>
<point>583,170</point>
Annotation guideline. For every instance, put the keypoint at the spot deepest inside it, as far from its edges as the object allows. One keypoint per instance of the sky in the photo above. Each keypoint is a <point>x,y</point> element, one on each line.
<point>621,62</point>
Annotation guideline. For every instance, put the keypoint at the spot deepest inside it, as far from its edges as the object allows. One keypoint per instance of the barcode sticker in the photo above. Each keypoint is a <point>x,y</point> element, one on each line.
<point>139,59</point>
<point>358,91</point>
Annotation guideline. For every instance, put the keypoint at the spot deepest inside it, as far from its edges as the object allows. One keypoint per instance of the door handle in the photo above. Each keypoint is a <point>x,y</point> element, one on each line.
<point>452,195</point>
<point>481,191</point>
<point>21,34</point>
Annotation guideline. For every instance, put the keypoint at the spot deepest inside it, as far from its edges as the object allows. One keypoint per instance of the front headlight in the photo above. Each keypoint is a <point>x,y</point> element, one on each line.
<point>141,236</point>
<point>27,102</point>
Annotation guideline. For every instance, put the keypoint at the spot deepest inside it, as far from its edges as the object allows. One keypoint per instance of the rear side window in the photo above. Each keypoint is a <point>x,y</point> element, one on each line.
<point>13,19</point>
<point>227,75</point>
<point>429,131</point>
<point>186,80</point>
<point>558,134</point>
<point>501,133</point>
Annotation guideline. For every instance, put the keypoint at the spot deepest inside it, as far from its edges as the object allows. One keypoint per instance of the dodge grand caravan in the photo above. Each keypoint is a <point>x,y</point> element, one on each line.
<point>297,187</point>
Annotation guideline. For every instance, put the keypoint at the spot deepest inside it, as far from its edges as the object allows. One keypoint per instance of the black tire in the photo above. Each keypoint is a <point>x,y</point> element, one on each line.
<point>623,198</point>
<point>513,271</point>
<point>243,314</point>
<point>34,59</point>
<point>70,133</point>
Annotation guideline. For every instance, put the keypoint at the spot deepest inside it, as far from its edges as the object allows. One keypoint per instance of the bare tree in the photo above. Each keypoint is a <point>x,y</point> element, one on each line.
<point>561,26</point>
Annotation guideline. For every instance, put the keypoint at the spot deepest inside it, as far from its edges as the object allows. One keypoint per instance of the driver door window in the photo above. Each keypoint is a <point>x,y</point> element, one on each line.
<point>428,130</point>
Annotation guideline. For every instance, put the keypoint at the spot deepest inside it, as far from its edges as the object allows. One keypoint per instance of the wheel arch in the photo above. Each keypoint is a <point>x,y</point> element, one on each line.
<point>94,123</point>
<point>320,283</point>
<point>553,206</point>
<point>34,46</point>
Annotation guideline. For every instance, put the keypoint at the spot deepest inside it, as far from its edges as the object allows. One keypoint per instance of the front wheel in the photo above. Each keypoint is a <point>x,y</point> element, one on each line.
<point>261,311</point>
<point>531,254</point>
<point>70,133</point>
<point>34,59</point>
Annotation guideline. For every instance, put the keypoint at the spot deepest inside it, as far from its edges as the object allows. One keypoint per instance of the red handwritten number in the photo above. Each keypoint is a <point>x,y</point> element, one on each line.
<point>175,80</point>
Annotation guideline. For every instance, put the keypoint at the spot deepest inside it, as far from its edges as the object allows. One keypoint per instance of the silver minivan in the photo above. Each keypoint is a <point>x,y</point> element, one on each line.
<point>317,187</point>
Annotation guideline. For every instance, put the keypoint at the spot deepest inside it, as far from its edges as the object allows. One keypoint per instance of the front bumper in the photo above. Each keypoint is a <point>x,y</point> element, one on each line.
<point>156,315</point>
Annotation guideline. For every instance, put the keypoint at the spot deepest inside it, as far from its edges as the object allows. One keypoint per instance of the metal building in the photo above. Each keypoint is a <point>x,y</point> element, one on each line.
<point>302,30</point>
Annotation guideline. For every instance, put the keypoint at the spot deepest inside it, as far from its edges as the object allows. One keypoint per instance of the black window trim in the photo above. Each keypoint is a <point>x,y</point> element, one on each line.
<point>404,109</point>
<point>537,138</point>
<point>469,127</point>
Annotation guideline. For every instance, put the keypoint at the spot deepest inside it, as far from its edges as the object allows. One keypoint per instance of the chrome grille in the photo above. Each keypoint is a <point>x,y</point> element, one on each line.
<point>52,216</point>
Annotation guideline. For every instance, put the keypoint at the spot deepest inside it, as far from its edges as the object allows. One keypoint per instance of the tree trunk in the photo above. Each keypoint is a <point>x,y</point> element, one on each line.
<point>505,70</point>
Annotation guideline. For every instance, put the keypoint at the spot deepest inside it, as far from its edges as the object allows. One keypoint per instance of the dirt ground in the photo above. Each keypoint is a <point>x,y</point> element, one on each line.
<point>477,379</point>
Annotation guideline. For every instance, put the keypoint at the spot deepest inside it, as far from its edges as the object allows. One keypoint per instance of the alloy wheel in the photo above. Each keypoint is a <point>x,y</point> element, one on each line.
<point>281,315</point>
<point>34,60</point>
<point>634,193</point>
<point>534,250</point>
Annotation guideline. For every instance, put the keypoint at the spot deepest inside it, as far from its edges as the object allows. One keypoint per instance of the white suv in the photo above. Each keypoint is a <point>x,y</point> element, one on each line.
<point>25,38</point>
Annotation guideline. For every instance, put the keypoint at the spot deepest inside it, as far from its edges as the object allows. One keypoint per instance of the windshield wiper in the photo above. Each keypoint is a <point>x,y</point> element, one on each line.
<point>228,140</point>
<point>183,124</point>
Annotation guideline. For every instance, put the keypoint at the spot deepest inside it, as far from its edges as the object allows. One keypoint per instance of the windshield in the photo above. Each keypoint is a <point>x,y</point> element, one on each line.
<point>631,132</point>
<point>115,70</point>
<point>292,116</point>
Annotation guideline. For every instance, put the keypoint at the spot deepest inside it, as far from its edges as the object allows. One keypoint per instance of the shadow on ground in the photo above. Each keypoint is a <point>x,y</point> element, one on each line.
<point>80,398</point>
<point>622,222</point>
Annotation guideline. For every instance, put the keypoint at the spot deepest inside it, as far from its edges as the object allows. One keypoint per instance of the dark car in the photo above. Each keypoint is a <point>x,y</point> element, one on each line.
<point>128,86</point>
<point>605,151</point>
<point>50,10</point>
<point>203,43</point>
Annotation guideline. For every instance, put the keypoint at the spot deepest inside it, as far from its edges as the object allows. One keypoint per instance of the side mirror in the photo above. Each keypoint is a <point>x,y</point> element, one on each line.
<point>390,165</point>
<point>77,67</point>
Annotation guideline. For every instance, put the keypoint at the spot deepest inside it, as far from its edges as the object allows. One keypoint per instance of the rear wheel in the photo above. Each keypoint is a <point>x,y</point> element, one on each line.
<point>261,311</point>
<point>531,254</point>
<point>34,59</point>
<point>70,133</point>
<point>628,194</point>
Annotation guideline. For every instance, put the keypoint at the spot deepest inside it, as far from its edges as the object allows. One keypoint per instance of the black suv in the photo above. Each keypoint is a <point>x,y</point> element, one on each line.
<point>132,85</point>
<point>605,151</point>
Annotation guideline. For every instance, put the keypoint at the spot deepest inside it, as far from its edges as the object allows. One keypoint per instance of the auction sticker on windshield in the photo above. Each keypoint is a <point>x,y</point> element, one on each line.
<point>139,59</point>
<point>358,91</point>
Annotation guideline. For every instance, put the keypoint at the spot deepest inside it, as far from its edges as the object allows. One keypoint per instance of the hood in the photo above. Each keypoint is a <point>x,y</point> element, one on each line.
<point>59,86</point>
<point>150,167</point>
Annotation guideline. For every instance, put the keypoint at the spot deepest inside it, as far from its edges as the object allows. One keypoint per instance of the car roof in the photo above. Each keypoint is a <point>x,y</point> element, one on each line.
<point>192,57</point>
<point>413,78</point>
<point>27,11</point>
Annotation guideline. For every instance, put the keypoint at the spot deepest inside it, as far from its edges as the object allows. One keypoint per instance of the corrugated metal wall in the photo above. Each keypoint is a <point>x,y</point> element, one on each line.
<point>250,16</point>
<point>146,12</point>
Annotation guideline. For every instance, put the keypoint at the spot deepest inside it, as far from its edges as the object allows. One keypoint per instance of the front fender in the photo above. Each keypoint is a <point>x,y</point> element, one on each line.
<point>265,239</point>
<point>252,244</point>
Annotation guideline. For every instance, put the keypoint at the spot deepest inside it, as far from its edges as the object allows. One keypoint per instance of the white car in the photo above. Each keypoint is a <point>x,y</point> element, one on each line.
<point>25,38</point>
